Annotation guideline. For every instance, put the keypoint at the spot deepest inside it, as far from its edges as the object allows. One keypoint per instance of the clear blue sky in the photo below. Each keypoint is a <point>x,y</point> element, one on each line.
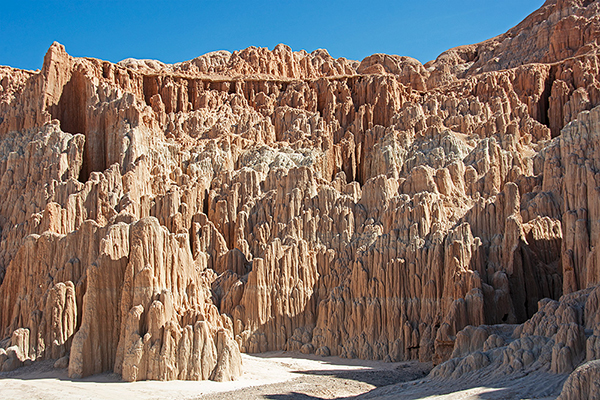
<point>173,31</point>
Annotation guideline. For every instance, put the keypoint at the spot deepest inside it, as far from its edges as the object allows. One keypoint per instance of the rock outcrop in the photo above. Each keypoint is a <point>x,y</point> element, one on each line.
<point>553,340</point>
<point>583,383</point>
<point>158,219</point>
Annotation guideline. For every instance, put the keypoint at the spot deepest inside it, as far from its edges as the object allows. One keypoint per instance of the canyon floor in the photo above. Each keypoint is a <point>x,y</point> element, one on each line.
<point>273,375</point>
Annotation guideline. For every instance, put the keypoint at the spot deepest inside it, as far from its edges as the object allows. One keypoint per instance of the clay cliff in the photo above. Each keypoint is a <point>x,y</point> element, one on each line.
<point>158,219</point>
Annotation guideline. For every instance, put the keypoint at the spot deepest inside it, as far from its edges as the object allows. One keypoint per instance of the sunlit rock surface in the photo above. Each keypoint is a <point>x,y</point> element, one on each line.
<point>158,219</point>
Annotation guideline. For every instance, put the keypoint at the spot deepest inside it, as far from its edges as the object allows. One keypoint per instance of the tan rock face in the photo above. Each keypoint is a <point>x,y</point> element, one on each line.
<point>158,219</point>
<point>583,383</point>
<point>560,336</point>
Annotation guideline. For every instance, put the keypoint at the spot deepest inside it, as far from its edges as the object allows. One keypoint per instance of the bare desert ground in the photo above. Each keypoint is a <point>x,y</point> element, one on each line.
<point>274,375</point>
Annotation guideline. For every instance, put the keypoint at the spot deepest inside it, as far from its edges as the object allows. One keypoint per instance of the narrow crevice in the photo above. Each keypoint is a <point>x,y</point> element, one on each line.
<point>193,92</point>
<point>232,87</point>
<point>205,203</point>
<point>544,103</point>
<point>84,173</point>
<point>150,88</point>
<point>321,97</point>
<point>106,67</point>
<point>71,111</point>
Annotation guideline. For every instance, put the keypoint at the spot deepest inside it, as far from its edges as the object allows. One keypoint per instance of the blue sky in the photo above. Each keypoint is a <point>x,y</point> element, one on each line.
<point>173,31</point>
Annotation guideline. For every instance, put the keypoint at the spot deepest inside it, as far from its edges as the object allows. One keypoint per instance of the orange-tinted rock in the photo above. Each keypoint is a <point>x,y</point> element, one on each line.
<point>157,219</point>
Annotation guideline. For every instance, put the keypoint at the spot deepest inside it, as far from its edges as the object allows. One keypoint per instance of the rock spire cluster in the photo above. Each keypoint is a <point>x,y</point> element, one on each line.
<point>157,220</point>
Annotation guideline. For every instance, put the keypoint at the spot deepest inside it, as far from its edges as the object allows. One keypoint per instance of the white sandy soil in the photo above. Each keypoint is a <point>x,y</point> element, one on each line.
<point>291,375</point>
<point>277,376</point>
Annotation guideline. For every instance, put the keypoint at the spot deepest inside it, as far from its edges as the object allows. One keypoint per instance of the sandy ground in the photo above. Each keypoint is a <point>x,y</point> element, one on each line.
<point>277,376</point>
<point>534,385</point>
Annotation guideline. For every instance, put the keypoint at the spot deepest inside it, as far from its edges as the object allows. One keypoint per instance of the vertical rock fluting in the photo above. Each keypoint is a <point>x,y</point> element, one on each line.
<point>579,158</point>
<point>157,219</point>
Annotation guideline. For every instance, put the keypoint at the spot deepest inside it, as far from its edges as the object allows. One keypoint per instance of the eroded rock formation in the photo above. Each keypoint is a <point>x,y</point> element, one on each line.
<point>157,219</point>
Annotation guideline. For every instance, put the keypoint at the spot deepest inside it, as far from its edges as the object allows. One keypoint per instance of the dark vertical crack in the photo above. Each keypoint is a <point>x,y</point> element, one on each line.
<point>71,111</point>
<point>544,103</point>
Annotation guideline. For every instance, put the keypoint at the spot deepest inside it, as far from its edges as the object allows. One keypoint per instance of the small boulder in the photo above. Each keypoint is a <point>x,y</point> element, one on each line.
<point>62,363</point>
<point>308,348</point>
<point>323,351</point>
